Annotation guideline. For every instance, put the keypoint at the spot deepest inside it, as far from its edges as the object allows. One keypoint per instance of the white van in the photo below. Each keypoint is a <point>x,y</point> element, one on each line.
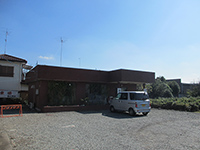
<point>132,101</point>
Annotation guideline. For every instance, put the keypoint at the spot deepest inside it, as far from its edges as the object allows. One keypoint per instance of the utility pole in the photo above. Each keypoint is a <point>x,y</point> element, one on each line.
<point>6,41</point>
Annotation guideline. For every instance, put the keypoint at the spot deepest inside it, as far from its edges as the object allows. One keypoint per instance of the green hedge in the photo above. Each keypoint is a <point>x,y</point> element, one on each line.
<point>185,104</point>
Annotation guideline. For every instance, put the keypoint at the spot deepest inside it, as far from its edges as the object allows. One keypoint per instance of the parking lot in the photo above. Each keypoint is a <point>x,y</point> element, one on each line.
<point>161,129</point>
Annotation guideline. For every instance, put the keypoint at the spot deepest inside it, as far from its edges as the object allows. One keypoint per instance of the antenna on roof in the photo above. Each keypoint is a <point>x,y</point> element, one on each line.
<point>61,41</point>
<point>79,62</point>
<point>6,41</point>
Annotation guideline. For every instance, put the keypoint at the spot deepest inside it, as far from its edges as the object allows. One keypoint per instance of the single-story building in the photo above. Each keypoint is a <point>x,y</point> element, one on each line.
<point>61,86</point>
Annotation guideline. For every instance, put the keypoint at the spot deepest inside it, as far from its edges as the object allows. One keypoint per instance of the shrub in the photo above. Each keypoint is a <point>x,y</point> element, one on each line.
<point>183,103</point>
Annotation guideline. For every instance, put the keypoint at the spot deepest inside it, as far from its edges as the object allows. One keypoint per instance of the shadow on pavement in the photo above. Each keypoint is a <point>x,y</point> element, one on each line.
<point>120,115</point>
<point>116,115</point>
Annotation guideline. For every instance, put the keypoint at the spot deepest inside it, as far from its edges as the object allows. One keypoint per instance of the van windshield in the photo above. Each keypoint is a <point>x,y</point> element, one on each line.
<point>139,96</point>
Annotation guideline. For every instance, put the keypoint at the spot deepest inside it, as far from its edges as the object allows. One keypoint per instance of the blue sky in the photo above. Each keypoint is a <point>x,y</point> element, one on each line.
<point>161,36</point>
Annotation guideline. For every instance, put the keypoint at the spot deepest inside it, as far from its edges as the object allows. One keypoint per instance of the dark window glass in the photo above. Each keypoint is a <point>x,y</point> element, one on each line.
<point>138,96</point>
<point>6,71</point>
<point>124,96</point>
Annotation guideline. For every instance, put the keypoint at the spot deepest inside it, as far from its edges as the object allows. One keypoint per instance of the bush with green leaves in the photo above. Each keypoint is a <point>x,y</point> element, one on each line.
<point>183,103</point>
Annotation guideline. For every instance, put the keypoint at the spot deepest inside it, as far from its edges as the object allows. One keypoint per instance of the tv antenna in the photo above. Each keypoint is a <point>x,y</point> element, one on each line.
<point>6,41</point>
<point>79,62</point>
<point>61,41</point>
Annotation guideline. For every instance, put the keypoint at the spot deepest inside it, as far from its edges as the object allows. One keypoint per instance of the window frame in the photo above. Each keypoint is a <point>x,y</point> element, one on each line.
<point>119,96</point>
<point>6,71</point>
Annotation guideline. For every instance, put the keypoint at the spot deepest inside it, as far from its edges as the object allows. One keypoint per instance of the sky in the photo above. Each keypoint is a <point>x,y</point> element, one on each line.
<point>161,36</point>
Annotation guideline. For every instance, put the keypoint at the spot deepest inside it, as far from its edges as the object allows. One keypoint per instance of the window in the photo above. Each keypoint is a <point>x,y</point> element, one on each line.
<point>123,96</point>
<point>6,71</point>
<point>138,96</point>
<point>60,93</point>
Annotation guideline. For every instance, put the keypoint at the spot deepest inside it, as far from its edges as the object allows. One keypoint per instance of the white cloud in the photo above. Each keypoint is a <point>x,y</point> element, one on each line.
<point>45,57</point>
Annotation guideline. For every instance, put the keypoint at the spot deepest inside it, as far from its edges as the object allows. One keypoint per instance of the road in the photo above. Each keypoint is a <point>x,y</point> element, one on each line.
<point>161,129</point>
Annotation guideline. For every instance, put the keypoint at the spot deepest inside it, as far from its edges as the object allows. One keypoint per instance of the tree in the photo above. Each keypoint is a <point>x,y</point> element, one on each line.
<point>162,79</point>
<point>159,88</point>
<point>175,88</point>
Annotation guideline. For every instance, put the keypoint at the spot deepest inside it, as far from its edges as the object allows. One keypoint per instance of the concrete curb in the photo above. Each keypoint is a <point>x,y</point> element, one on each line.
<point>5,142</point>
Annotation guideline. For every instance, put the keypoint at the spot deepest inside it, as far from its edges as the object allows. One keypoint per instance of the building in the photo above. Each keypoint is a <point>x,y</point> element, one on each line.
<point>55,86</point>
<point>11,77</point>
<point>184,87</point>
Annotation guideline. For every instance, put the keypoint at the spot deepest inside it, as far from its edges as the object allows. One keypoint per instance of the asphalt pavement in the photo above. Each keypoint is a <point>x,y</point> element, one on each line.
<point>160,129</point>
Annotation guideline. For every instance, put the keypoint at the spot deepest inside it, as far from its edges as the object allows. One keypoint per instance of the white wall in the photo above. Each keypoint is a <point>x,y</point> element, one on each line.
<point>12,83</point>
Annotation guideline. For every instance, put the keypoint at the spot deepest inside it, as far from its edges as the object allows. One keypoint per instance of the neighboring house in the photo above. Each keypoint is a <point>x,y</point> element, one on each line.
<point>184,87</point>
<point>55,86</point>
<point>11,77</point>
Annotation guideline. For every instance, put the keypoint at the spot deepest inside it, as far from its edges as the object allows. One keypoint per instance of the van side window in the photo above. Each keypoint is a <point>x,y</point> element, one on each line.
<point>132,96</point>
<point>124,96</point>
<point>139,96</point>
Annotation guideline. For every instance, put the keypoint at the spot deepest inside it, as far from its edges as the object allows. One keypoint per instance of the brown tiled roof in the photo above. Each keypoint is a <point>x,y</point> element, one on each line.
<point>6,57</point>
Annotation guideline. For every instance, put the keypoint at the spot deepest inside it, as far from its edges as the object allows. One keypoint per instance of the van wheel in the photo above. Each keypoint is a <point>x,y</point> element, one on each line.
<point>131,112</point>
<point>112,109</point>
<point>145,113</point>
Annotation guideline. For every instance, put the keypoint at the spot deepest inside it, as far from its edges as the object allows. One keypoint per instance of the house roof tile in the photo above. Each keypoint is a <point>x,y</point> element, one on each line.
<point>6,57</point>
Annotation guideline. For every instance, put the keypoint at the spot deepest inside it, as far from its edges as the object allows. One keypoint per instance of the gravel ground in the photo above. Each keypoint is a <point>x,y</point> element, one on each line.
<point>161,129</point>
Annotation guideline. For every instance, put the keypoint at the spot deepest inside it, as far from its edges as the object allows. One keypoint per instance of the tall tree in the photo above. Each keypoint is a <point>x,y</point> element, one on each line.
<point>159,88</point>
<point>175,88</point>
